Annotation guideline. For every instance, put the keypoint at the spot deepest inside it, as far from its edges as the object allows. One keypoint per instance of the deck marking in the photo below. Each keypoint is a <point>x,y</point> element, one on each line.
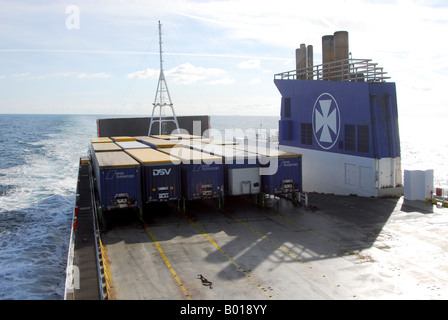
<point>168,264</point>
<point>107,273</point>
<point>320,274</point>
<point>232,261</point>
<point>323,237</point>
<point>367,259</point>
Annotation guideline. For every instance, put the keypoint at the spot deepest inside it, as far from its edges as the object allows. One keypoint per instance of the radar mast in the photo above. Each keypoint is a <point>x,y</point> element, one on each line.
<point>163,98</point>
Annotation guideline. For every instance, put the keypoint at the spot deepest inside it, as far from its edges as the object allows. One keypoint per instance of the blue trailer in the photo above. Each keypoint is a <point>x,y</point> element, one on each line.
<point>160,176</point>
<point>241,169</point>
<point>281,172</point>
<point>201,174</point>
<point>117,180</point>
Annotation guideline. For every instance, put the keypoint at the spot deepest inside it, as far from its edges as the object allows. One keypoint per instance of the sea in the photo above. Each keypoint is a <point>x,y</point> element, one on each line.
<point>39,158</point>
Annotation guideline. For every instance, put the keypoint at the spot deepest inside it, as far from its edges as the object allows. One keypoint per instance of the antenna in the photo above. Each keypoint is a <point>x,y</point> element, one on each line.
<point>163,98</point>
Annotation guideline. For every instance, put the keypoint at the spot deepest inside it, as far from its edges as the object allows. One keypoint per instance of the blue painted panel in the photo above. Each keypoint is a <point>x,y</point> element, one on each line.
<point>116,183</point>
<point>385,120</point>
<point>330,106</point>
<point>287,178</point>
<point>286,127</point>
<point>161,182</point>
<point>202,181</point>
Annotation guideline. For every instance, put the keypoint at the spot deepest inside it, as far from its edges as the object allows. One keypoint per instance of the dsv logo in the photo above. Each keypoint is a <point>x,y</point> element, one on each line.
<point>161,172</point>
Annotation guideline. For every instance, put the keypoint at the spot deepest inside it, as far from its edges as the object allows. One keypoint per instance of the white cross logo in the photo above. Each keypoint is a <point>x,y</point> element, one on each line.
<point>326,121</point>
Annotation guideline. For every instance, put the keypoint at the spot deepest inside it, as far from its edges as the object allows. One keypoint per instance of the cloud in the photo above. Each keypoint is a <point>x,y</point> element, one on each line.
<point>413,58</point>
<point>57,75</point>
<point>227,34</point>
<point>250,64</point>
<point>185,74</point>
<point>223,81</point>
<point>21,75</point>
<point>267,23</point>
<point>144,74</point>
<point>270,24</point>
<point>99,75</point>
<point>255,81</point>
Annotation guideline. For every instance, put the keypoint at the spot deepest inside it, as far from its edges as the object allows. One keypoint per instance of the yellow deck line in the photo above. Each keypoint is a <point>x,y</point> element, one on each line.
<point>323,237</point>
<point>107,273</point>
<point>260,287</point>
<point>283,249</point>
<point>168,264</point>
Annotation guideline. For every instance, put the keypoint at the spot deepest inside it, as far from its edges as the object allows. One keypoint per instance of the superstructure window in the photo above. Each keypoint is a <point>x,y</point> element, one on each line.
<point>363,138</point>
<point>350,136</point>
<point>306,133</point>
<point>287,104</point>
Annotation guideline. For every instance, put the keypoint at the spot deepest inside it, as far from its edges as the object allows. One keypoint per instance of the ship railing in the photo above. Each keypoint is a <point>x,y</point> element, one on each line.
<point>355,70</point>
<point>104,279</point>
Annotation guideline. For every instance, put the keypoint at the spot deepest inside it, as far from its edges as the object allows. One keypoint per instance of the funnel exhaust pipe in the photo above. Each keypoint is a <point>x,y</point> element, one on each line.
<point>341,54</point>
<point>327,56</point>
<point>304,62</point>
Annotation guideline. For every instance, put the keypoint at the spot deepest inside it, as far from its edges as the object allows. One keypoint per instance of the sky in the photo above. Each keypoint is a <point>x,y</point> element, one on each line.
<point>220,57</point>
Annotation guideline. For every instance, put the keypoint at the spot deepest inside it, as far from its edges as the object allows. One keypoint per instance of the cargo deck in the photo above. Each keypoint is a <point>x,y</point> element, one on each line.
<point>339,247</point>
<point>349,248</point>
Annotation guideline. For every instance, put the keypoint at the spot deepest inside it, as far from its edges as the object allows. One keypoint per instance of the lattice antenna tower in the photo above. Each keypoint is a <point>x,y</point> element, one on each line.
<point>163,98</point>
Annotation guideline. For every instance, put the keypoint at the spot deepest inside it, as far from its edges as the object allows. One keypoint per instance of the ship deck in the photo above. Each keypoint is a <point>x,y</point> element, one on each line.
<point>349,248</point>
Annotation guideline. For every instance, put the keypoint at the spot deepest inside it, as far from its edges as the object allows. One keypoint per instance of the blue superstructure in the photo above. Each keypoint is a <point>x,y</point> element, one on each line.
<point>342,116</point>
<point>357,119</point>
